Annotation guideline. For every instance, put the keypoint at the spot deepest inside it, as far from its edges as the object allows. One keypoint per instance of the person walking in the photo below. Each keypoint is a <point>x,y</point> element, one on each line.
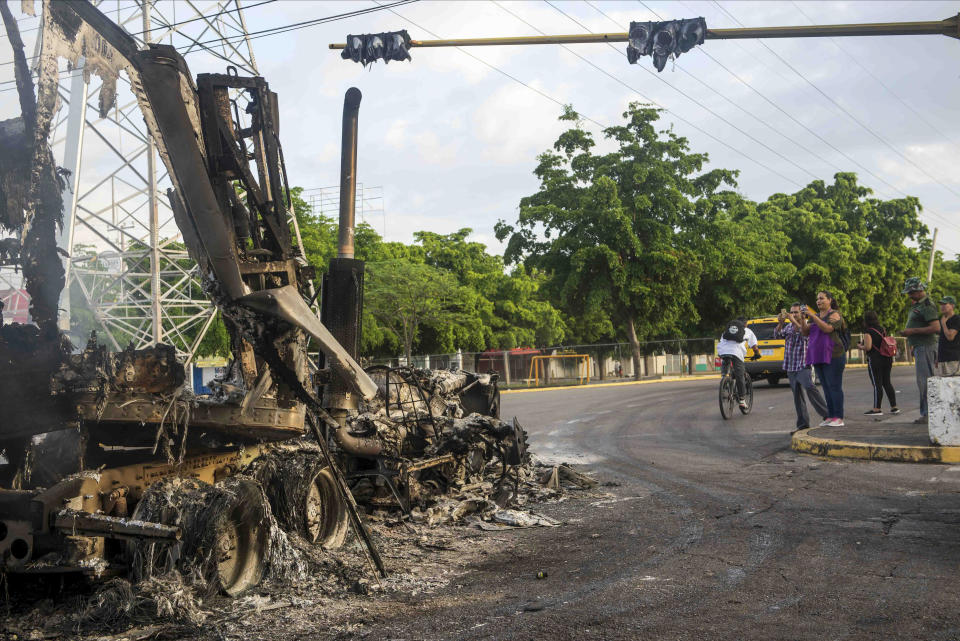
<point>879,365</point>
<point>923,325</point>
<point>948,348</point>
<point>827,352</point>
<point>798,372</point>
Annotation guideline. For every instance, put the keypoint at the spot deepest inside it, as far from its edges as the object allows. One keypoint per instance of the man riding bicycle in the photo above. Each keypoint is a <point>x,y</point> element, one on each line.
<point>731,343</point>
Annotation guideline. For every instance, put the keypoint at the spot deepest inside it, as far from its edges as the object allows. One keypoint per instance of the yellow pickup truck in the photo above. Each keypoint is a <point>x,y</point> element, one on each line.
<point>770,363</point>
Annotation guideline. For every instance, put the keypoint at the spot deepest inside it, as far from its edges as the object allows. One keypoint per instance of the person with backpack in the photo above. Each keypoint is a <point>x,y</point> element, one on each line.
<point>880,350</point>
<point>923,325</point>
<point>948,349</point>
<point>732,340</point>
<point>828,340</point>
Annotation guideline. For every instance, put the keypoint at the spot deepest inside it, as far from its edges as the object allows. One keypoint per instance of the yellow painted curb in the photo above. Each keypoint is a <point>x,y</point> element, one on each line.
<point>864,365</point>
<point>808,443</point>
<point>668,379</point>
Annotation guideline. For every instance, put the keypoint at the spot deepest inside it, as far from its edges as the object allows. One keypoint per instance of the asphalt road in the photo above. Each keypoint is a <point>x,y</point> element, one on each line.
<point>717,530</point>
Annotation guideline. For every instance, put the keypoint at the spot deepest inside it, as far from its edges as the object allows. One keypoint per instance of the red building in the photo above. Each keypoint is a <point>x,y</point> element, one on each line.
<point>16,306</point>
<point>519,358</point>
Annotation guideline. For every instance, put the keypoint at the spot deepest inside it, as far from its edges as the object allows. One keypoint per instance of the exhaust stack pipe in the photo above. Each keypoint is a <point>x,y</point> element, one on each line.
<point>348,172</point>
<point>341,301</point>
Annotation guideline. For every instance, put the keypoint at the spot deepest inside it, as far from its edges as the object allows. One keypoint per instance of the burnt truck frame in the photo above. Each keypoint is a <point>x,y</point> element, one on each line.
<point>122,456</point>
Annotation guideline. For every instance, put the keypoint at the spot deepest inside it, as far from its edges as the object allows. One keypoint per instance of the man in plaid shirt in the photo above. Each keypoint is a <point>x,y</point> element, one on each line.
<point>794,349</point>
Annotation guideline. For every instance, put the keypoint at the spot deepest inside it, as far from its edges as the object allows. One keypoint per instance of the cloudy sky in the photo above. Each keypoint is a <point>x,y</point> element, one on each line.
<point>452,136</point>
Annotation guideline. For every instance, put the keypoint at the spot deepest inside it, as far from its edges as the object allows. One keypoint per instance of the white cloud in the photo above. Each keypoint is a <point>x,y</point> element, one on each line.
<point>453,142</point>
<point>397,134</point>
<point>514,124</point>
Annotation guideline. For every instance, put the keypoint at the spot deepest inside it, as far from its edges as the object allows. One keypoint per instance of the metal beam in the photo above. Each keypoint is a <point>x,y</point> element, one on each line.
<point>77,114</point>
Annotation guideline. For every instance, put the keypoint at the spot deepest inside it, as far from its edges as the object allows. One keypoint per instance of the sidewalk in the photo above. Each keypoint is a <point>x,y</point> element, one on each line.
<point>886,438</point>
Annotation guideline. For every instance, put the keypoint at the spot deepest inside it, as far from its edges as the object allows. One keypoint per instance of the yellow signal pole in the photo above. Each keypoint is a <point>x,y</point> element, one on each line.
<point>947,27</point>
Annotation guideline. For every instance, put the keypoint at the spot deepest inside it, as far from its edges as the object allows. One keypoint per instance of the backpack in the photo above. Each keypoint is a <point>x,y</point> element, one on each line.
<point>844,334</point>
<point>887,346</point>
<point>734,331</point>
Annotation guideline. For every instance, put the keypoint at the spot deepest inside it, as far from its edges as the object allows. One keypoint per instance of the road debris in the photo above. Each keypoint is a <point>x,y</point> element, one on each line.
<point>169,502</point>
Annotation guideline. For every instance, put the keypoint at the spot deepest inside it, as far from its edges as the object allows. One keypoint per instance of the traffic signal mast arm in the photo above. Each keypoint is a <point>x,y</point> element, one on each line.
<point>947,27</point>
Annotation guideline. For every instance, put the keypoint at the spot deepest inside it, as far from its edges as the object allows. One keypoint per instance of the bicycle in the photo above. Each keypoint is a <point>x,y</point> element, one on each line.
<point>728,389</point>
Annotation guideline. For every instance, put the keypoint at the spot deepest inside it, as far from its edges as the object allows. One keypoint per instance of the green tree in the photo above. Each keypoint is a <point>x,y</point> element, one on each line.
<point>745,263</point>
<point>946,275</point>
<point>318,234</point>
<point>603,227</point>
<point>510,308</point>
<point>404,297</point>
<point>844,241</point>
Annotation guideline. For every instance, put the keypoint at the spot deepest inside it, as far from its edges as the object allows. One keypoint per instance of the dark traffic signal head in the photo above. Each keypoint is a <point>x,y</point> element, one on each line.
<point>664,40</point>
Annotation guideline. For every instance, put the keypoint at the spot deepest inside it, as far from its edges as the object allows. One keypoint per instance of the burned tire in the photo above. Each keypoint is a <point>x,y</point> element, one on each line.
<point>225,532</point>
<point>303,494</point>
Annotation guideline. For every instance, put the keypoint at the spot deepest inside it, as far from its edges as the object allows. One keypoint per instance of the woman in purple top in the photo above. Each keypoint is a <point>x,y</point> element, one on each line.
<point>826,352</point>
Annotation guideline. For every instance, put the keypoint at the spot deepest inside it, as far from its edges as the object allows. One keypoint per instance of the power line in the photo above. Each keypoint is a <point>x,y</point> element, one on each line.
<point>895,189</point>
<point>749,86</point>
<point>172,25</point>
<point>204,45</point>
<point>844,110</point>
<point>495,68</point>
<point>746,111</point>
<point>945,220</point>
<point>162,25</point>
<point>272,31</point>
<point>893,93</point>
<point>700,104</point>
<point>785,112</point>
<point>647,99</point>
<point>931,211</point>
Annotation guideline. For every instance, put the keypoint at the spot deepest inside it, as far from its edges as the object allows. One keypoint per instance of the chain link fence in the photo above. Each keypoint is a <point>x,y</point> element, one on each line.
<point>599,363</point>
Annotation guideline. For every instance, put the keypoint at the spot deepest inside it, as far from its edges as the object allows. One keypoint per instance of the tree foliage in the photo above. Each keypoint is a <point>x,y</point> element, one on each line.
<point>632,239</point>
<point>642,242</point>
<point>405,297</point>
<point>842,240</point>
<point>604,228</point>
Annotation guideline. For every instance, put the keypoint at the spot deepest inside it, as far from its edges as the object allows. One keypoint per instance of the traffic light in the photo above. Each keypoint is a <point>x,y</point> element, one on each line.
<point>663,40</point>
<point>369,47</point>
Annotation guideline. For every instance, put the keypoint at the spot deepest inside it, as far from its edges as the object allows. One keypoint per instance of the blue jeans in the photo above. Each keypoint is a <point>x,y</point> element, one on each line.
<point>831,375</point>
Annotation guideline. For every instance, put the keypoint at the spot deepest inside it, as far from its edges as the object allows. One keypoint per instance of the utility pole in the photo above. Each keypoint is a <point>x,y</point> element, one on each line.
<point>933,252</point>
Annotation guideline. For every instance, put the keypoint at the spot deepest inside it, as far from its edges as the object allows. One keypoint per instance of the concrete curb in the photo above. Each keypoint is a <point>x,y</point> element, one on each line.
<point>667,379</point>
<point>807,442</point>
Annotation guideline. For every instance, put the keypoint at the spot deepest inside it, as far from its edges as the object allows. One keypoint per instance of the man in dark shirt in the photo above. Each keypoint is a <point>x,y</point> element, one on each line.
<point>948,349</point>
<point>921,332</point>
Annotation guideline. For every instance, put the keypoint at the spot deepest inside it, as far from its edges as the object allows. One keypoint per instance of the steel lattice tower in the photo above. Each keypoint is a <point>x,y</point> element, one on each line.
<point>127,261</point>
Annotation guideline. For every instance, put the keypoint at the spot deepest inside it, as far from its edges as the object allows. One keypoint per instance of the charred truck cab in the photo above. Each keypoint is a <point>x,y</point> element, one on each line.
<point>109,460</point>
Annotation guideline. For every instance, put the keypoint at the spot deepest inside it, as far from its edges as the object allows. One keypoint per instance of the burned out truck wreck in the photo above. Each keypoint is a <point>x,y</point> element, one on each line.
<point>110,464</point>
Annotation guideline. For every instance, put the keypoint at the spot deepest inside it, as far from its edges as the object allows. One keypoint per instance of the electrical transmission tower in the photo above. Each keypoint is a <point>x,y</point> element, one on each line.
<point>128,267</point>
<point>325,201</point>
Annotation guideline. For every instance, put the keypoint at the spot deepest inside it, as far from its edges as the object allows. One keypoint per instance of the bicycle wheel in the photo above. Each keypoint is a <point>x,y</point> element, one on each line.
<point>748,395</point>
<point>727,397</point>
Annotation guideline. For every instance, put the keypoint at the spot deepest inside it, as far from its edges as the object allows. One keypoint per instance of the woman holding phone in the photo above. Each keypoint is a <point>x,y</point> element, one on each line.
<point>827,352</point>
